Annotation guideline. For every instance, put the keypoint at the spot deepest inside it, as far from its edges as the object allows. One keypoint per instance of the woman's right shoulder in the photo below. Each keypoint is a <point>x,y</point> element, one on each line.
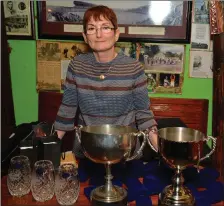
<point>85,57</point>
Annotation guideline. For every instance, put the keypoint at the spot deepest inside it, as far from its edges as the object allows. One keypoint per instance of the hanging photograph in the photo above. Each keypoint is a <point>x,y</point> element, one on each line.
<point>145,20</point>
<point>71,49</point>
<point>126,48</point>
<point>201,12</point>
<point>201,64</point>
<point>19,19</point>
<point>68,51</point>
<point>200,36</point>
<point>151,82</point>
<point>161,57</point>
<point>170,83</point>
<point>48,65</point>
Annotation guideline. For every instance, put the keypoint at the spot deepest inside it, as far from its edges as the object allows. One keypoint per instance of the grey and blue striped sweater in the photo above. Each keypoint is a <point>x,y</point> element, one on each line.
<point>120,99</point>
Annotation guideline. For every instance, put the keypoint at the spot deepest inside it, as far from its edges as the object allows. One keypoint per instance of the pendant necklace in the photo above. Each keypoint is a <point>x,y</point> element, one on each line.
<point>103,76</point>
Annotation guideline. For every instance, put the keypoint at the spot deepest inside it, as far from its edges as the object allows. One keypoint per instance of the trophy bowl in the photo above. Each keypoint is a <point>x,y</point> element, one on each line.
<point>180,148</point>
<point>109,144</point>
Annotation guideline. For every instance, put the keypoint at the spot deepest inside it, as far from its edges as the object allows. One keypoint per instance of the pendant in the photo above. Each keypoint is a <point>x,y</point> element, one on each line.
<point>102,77</point>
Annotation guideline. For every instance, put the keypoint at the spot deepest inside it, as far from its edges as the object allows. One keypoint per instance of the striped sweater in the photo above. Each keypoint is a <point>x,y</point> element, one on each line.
<point>121,98</point>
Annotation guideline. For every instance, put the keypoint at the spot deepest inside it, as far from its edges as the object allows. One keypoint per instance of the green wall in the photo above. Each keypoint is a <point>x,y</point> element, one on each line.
<point>23,73</point>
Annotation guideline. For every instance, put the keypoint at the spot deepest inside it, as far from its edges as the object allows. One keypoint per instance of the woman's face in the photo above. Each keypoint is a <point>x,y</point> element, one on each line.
<point>100,41</point>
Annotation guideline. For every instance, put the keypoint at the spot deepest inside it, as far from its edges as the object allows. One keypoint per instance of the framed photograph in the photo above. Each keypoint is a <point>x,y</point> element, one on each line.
<point>19,19</point>
<point>200,36</point>
<point>155,21</point>
<point>152,79</point>
<point>170,83</point>
<point>162,58</point>
<point>126,48</point>
<point>200,12</point>
<point>201,63</point>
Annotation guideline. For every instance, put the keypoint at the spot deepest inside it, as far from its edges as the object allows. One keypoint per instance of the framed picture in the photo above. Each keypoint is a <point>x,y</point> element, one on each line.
<point>154,21</point>
<point>19,19</point>
<point>201,63</point>
<point>162,58</point>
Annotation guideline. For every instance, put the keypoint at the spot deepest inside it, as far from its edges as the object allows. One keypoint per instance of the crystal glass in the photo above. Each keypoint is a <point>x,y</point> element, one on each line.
<point>19,176</point>
<point>67,184</point>
<point>43,181</point>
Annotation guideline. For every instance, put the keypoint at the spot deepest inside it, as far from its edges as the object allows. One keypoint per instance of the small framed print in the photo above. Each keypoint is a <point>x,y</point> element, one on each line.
<point>19,19</point>
<point>170,83</point>
<point>151,82</point>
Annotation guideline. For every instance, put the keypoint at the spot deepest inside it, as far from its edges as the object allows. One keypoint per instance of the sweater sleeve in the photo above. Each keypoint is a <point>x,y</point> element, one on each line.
<point>67,110</point>
<point>144,116</point>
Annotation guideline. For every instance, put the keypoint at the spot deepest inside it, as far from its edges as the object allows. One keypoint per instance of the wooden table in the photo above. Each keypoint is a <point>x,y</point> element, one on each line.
<point>7,199</point>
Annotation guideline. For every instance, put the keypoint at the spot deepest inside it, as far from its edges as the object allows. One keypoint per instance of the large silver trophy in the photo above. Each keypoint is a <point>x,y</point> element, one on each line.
<point>180,148</point>
<point>109,144</point>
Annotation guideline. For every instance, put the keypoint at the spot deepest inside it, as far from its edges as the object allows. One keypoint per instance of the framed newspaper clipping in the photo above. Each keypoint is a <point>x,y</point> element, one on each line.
<point>19,19</point>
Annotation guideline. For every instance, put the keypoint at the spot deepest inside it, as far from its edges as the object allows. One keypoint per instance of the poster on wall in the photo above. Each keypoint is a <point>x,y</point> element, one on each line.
<point>19,20</point>
<point>53,59</point>
<point>201,64</point>
<point>48,66</point>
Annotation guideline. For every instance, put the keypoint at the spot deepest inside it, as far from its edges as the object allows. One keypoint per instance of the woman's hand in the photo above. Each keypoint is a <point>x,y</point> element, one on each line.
<point>60,134</point>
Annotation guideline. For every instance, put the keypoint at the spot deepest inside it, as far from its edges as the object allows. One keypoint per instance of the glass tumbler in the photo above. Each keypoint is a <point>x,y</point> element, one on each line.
<point>67,184</point>
<point>43,181</point>
<point>19,176</point>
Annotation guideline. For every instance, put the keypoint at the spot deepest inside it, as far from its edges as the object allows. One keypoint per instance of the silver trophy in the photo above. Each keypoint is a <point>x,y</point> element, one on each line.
<point>109,144</point>
<point>180,148</point>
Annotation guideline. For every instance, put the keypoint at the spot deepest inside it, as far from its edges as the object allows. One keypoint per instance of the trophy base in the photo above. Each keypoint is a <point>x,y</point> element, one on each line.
<point>170,197</point>
<point>116,197</point>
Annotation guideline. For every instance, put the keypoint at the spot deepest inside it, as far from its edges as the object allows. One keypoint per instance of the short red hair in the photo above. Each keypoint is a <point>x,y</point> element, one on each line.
<point>97,12</point>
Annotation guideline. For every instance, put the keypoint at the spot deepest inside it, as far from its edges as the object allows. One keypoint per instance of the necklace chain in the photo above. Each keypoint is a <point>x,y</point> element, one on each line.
<point>103,76</point>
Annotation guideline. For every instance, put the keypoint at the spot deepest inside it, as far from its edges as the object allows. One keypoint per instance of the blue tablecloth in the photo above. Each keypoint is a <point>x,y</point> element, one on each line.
<point>155,176</point>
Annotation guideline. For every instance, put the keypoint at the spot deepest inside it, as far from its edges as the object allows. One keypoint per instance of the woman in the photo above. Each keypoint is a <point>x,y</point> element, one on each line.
<point>108,88</point>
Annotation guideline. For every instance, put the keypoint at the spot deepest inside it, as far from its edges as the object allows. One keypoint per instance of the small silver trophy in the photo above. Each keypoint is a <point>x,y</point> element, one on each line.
<point>109,144</point>
<point>180,148</point>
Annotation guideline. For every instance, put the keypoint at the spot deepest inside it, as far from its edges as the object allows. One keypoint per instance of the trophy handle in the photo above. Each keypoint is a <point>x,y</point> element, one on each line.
<point>213,148</point>
<point>77,132</point>
<point>138,153</point>
<point>148,140</point>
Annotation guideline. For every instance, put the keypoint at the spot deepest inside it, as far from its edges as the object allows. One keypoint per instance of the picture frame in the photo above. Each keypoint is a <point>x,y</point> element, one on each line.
<point>19,19</point>
<point>60,21</point>
<point>162,58</point>
<point>169,83</point>
<point>201,63</point>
